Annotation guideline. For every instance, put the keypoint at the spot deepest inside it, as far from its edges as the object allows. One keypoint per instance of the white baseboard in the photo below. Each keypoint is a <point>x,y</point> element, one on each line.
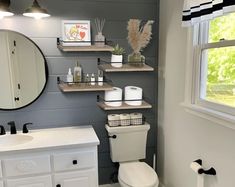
<point>117,185</point>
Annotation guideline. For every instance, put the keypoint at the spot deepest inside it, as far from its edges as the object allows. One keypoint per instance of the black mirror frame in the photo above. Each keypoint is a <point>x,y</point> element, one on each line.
<point>46,72</point>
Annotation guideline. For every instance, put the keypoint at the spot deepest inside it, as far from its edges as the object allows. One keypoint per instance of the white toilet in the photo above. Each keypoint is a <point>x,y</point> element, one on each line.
<point>128,146</point>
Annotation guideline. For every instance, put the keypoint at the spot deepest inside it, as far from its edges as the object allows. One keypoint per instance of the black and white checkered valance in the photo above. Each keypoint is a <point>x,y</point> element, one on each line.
<point>196,11</point>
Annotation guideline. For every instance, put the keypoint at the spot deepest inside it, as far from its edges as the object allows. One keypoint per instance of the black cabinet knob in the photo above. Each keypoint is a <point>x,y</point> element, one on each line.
<point>58,185</point>
<point>75,162</point>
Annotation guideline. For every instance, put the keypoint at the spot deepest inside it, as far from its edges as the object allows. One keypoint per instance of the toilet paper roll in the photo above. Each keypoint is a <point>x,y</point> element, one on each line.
<point>195,167</point>
<point>113,117</point>
<point>113,95</point>
<point>200,181</point>
<point>133,93</point>
<point>200,178</point>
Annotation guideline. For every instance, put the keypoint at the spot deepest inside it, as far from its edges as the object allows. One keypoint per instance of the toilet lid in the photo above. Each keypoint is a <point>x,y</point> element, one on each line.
<point>137,174</point>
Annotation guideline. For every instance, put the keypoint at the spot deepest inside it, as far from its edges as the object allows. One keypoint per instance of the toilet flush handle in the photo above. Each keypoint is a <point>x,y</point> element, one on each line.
<point>114,136</point>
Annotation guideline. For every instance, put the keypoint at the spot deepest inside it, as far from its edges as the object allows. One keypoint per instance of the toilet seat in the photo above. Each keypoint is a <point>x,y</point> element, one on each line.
<point>137,174</point>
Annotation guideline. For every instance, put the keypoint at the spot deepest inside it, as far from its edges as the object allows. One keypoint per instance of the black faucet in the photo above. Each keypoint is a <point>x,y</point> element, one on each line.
<point>25,129</point>
<point>13,127</point>
<point>2,130</point>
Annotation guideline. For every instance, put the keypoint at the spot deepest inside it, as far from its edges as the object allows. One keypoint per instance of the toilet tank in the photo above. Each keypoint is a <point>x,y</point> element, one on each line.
<point>129,144</point>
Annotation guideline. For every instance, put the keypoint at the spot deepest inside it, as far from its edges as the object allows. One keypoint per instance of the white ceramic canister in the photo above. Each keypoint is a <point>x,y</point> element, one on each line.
<point>133,93</point>
<point>114,96</point>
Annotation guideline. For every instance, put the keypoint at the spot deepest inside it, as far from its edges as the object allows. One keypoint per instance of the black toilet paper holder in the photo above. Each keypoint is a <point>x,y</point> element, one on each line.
<point>210,171</point>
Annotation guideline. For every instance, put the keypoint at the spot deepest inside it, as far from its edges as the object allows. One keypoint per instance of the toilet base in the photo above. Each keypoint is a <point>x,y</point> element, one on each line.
<point>139,174</point>
<point>125,185</point>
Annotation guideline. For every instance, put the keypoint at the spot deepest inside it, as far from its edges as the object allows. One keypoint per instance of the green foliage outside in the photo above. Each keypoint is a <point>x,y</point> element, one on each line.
<point>221,62</point>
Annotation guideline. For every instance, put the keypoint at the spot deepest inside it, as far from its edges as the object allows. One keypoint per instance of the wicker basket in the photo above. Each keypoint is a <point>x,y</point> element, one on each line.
<point>125,119</point>
<point>136,119</point>
<point>114,120</point>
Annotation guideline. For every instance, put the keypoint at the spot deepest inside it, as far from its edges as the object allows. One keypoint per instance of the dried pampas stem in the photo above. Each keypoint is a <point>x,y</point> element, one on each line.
<point>134,34</point>
<point>139,38</point>
<point>146,34</point>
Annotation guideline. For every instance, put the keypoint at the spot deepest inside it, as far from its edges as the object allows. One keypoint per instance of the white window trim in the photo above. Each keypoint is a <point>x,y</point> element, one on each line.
<point>191,84</point>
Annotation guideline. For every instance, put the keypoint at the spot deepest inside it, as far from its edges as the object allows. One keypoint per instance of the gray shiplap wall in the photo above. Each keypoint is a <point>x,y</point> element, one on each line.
<point>55,109</point>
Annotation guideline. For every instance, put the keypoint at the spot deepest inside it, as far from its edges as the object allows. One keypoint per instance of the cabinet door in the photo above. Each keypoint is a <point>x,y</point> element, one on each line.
<point>76,179</point>
<point>1,184</point>
<point>40,181</point>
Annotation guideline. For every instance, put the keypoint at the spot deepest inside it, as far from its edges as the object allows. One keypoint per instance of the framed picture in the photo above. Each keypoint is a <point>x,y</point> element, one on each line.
<point>76,33</point>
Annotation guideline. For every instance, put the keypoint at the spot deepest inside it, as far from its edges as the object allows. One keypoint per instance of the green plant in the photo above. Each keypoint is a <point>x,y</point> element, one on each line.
<point>117,50</point>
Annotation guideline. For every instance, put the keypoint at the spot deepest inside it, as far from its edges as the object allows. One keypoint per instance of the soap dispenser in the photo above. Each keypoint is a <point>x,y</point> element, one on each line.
<point>70,76</point>
<point>78,73</point>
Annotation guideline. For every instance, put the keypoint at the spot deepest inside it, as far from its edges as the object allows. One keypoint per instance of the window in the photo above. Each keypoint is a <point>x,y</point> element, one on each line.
<point>214,65</point>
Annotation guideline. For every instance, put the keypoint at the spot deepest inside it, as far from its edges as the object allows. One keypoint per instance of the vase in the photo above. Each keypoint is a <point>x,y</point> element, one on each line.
<point>117,61</point>
<point>136,59</point>
<point>100,40</point>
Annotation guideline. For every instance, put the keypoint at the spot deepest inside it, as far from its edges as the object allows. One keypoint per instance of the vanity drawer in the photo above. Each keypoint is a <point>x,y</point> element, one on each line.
<point>74,161</point>
<point>27,165</point>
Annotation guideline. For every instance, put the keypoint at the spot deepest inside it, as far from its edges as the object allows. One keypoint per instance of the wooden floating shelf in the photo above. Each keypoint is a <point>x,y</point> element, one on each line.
<point>124,106</point>
<point>84,87</point>
<point>125,68</point>
<point>92,48</point>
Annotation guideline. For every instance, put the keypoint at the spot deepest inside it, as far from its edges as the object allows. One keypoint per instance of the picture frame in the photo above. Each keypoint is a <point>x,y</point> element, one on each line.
<point>76,33</point>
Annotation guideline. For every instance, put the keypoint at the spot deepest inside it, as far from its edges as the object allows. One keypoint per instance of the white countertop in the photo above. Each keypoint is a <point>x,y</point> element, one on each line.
<point>79,136</point>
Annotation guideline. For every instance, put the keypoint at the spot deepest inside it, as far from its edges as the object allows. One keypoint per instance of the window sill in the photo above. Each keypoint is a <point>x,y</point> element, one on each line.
<point>212,115</point>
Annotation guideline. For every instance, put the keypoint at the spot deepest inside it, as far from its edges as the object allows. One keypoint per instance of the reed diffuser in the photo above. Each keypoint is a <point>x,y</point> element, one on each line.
<point>99,38</point>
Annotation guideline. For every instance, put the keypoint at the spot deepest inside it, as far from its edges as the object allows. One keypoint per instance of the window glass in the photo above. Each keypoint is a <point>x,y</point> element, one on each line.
<point>218,75</point>
<point>222,28</point>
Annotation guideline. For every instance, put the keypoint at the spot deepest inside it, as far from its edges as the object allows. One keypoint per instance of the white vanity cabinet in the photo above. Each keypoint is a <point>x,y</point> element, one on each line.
<point>57,168</point>
<point>74,179</point>
<point>39,181</point>
<point>71,162</point>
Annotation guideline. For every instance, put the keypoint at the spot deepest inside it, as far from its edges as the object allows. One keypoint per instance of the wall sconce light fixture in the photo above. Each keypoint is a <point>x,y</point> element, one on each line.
<point>4,9</point>
<point>36,11</point>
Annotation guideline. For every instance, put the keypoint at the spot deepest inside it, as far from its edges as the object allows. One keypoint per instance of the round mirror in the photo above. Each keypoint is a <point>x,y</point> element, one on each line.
<point>23,71</point>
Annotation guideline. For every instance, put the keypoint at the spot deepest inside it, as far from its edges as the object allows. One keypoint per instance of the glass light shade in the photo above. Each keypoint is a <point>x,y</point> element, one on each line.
<point>5,12</point>
<point>36,11</point>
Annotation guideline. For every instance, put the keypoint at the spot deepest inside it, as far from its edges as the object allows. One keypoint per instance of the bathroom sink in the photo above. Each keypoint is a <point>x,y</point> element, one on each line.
<point>14,140</point>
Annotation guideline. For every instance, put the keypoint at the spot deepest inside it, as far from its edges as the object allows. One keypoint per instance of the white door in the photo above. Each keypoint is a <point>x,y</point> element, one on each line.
<point>41,181</point>
<point>76,179</point>
<point>1,184</point>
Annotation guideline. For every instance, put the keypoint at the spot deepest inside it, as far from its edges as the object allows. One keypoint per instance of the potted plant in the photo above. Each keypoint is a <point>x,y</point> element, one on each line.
<point>117,56</point>
<point>138,38</point>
